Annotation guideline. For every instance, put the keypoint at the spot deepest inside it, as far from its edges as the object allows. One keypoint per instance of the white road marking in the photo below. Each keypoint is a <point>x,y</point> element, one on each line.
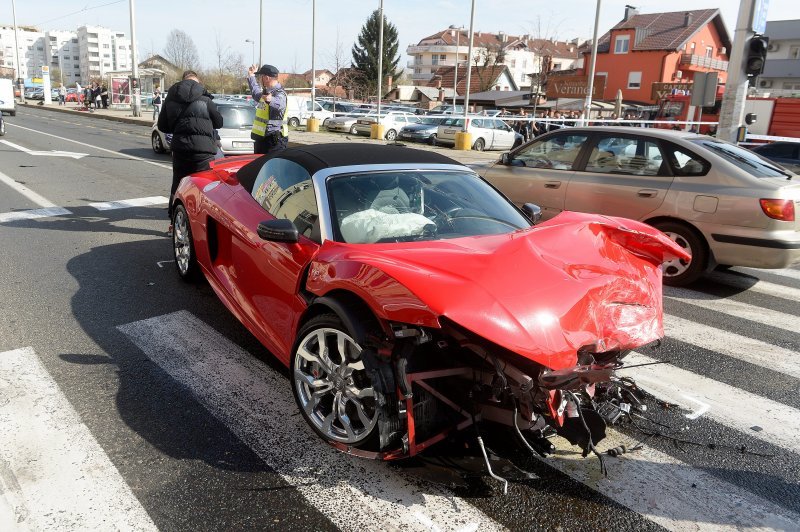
<point>124,204</point>
<point>161,263</point>
<point>256,404</point>
<point>759,286</point>
<point>32,214</point>
<point>53,473</point>
<point>765,316</point>
<point>41,201</point>
<point>728,405</point>
<point>133,157</point>
<point>700,411</point>
<point>51,153</point>
<point>671,493</point>
<point>791,273</point>
<point>734,345</point>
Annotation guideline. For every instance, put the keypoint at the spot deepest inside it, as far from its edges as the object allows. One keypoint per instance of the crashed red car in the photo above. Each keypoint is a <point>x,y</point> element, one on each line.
<point>410,299</point>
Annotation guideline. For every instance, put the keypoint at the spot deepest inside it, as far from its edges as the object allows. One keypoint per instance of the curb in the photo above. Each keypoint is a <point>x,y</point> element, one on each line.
<point>72,111</point>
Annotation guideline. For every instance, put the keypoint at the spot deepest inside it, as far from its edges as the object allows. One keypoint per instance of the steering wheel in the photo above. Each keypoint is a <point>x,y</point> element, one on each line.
<point>465,213</point>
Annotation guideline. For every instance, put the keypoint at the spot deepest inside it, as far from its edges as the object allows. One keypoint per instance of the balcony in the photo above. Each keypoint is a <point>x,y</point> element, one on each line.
<point>422,76</point>
<point>429,64</point>
<point>438,49</point>
<point>701,61</point>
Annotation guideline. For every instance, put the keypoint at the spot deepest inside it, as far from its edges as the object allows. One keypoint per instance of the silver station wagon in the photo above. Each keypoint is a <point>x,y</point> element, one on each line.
<point>726,205</point>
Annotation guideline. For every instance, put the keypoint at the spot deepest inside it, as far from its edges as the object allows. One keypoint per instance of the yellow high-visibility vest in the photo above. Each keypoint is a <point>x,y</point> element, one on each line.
<point>262,119</point>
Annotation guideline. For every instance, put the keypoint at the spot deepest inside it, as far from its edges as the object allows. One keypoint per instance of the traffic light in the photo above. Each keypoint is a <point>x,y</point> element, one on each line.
<point>756,55</point>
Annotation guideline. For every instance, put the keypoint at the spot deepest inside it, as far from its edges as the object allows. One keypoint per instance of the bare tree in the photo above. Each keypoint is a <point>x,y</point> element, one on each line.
<point>488,62</point>
<point>543,34</point>
<point>181,51</point>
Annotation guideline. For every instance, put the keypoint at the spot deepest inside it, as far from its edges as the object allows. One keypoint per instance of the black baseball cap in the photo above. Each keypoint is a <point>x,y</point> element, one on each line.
<point>267,70</point>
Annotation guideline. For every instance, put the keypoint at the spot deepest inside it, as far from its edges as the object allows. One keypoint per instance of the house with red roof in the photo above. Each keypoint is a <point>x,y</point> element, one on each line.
<point>660,48</point>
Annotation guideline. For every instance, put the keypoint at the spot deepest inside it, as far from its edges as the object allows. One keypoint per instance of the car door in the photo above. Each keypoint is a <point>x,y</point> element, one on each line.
<point>539,171</point>
<point>268,274</point>
<point>623,175</point>
<point>503,135</point>
<point>482,128</point>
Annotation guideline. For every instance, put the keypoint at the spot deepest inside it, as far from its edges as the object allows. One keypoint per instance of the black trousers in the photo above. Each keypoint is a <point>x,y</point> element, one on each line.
<point>183,165</point>
<point>271,144</point>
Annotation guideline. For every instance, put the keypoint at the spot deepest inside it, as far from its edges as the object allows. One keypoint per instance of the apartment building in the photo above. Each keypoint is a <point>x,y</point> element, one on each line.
<point>82,55</point>
<point>781,76</point>
<point>523,55</point>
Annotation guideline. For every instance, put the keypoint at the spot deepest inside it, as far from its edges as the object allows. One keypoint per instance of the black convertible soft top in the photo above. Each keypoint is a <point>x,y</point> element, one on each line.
<point>315,157</point>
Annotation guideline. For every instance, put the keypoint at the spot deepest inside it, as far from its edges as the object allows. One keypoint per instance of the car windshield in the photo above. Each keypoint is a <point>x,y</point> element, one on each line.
<point>235,117</point>
<point>431,121</point>
<point>403,206</point>
<point>457,122</point>
<point>748,161</point>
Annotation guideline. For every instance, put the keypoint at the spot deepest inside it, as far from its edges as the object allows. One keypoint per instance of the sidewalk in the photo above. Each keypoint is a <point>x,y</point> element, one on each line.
<point>297,137</point>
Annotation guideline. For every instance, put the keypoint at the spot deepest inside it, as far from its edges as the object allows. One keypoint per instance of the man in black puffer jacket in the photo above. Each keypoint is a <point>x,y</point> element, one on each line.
<point>190,115</point>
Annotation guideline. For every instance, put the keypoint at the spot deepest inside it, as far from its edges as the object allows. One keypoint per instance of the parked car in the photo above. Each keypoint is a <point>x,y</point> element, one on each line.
<point>234,135</point>
<point>487,133</point>
<point>786,154</point>
<point>345,123</point>
<point>74,96</point>
<point>337,107</point>
<point>724,204</point>
<point>423,131</point>
<point>2,122</point>
<point>35,94</point>
<point>445,109</point>
<point>392,121</point>
<point>343,261</point>
<point>9,104</point>
<point>299,110</point>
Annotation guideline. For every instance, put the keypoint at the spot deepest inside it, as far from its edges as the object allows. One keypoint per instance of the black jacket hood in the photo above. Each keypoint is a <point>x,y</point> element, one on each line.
<point>186,91</point>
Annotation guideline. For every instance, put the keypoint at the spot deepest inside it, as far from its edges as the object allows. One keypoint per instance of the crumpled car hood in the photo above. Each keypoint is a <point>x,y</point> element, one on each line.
<point>577,280</point>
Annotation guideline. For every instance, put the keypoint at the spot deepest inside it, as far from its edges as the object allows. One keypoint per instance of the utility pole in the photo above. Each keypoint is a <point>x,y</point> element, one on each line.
<point>469,64</point>
<point>260,31</point>
<point>20,80</point>
<point>134,85</point>
<point>587,106</point>
<point>731,113</point>
<point>313,54</point>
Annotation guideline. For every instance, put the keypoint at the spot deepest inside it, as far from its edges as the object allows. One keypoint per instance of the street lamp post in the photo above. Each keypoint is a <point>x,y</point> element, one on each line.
<point>253,47</point>
<point>455,71</point>
<point>20,81</point>
<point>134,90</point>
<point>469,58</point>
<point>587,107</point>
<point>313,54</point>
<point>260,31</point>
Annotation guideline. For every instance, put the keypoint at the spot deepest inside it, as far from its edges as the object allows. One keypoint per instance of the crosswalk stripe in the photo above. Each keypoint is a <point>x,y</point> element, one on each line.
<point>765,316</point>
<point>756,352</point>
<point>759,286</point>
<point>791,273</point>
<point>669,492</point>
<point>38,199</point>
<point>779,424</point>
<point>53,473</point>
<point>256,404</point>
<point>136,202</point>
<point>32,214</point>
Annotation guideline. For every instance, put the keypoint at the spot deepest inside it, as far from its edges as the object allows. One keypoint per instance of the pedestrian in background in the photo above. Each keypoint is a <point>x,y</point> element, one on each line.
<point>87,97</point>
<point>104,96</point>
<point>157,101</point>
<point>62,94</point>
<point>191,116</point>
<point>96,95</point>
<point>270,131</point>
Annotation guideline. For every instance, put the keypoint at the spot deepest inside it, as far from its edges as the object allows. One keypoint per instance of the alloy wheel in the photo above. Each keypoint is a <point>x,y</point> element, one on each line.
<point>181,238</point>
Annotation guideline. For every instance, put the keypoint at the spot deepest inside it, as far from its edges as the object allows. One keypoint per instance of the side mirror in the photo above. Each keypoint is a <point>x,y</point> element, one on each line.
<point>533,212</point>
<point>278,230</point>
<point>505,158</point>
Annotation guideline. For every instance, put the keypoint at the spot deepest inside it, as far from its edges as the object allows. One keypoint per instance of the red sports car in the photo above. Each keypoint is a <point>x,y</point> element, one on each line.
<point>410,299</point>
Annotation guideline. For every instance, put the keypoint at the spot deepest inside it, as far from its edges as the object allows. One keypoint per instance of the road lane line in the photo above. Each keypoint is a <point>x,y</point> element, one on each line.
<point>32,214</point>
<point>759,286</point>
<point>669,492</point>
<point>133,157</point>
<point>734,345</point>
<point>136,202</point>
<point>256,404</point>
<point>51,153</point>
<point>41,201</point>
<point>53,473</point>
<point>733,407</point>
<point>731,307</point>
<point>791,273</point>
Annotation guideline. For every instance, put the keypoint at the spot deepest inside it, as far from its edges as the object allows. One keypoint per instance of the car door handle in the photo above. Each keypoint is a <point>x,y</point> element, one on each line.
<point>647,193</point>
<point>552,184</point>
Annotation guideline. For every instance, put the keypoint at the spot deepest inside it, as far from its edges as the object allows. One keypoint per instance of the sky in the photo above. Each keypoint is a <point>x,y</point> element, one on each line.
<point>286,41</point>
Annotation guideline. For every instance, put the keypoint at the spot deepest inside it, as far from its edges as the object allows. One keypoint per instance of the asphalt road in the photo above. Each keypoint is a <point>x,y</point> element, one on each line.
<point>152,408</point>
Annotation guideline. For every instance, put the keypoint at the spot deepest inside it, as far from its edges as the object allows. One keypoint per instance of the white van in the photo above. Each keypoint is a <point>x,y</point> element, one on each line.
<point>7,103</point>
<point>299,111</point>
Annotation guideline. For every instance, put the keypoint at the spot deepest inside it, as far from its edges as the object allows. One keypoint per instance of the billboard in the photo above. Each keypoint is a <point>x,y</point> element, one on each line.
<point>574,87</point>
<point>120,92</point>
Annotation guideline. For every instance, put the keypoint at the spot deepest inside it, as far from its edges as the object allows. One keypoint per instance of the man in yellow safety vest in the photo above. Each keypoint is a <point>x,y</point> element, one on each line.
<point>270,130</point>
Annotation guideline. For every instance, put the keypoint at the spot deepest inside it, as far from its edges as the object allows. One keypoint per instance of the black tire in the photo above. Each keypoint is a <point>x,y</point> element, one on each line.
<point>294,122</point>
<point>183,246</point>
<point>479,145</point>
<point>13,113</point>
<point>343,376</point>
<point>2,128</point>
<point>353,130</point>
<point>391,135</point>
<point>680,272</point>
<point>156,142</point>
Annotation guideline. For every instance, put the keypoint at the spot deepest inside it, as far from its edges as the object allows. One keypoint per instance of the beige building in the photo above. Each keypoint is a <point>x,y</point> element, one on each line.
<point>781,76</point>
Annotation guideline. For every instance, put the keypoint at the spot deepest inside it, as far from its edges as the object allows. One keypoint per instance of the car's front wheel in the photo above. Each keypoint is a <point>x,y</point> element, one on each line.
<point>391,134</point>
<point>679,272</point>
<point>2,128</point>
<point>183,245</point>
<point>353,130</point>
<point>479,145</point>
<point>158,145</point>
<point>294,122</point>
<point>331,385</point>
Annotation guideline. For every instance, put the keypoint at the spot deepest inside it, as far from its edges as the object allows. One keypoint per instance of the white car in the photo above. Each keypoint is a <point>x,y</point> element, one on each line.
<point>344,123</point>
<point>392,121</point>
<point>298,111</point>
<point>234,135</point>
<point>487,133</point>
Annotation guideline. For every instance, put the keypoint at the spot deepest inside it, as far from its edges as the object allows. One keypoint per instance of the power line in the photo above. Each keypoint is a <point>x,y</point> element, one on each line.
<point>85,9</point>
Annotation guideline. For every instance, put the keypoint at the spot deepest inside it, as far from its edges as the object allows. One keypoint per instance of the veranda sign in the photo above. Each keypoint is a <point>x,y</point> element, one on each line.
<point>575,87</point>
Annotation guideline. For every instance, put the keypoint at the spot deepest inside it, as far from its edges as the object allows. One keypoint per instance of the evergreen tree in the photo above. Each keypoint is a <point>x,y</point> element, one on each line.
<point>365,51</point>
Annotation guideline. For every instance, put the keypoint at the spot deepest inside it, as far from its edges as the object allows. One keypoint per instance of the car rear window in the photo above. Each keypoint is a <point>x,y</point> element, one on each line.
<point>746,160</point>
<point>237,117</point>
